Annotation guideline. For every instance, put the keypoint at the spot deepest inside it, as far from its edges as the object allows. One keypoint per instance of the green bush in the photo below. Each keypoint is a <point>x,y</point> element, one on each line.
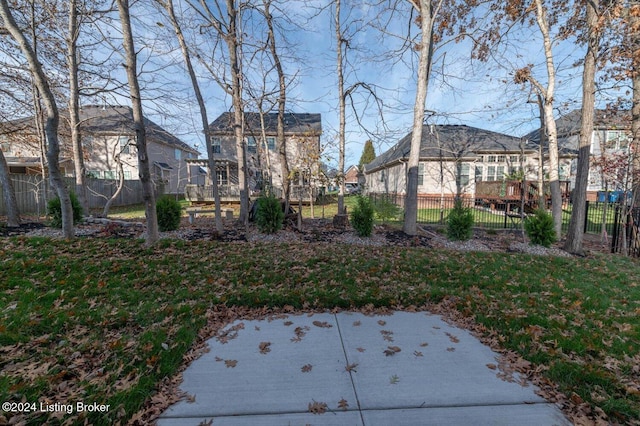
<point>539,228</point>
<point>362,216</point>
<point>169,211</point>
<point>54,209</point>
<point>459,222</point>
<point>386,210</point>
<point>269,214</point>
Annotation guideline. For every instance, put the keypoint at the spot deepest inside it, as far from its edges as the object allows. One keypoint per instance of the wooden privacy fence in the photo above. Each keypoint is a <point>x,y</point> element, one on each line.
<point>31,193</point>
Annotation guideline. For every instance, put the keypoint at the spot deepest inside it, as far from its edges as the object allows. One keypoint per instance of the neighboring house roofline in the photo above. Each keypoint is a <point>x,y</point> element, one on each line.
<point>295,124</point>
<point>102,120</point>
<point>440,141</point>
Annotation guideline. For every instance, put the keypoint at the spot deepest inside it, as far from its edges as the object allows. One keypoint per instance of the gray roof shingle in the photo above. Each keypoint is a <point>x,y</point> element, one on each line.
<point>449,142</point>
<point>294,123</point>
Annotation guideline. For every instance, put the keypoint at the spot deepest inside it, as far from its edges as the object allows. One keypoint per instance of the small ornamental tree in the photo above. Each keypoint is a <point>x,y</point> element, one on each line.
<point>362,216</point>
<point>459,222</point>
<point>540,229</point>
<point>168,211</point>
<point>269,214</point>
<point>54,209</point>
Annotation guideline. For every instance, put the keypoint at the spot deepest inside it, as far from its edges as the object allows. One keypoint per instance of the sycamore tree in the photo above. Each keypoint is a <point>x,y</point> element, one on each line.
<point>52,117</point>
<point>427,11</point>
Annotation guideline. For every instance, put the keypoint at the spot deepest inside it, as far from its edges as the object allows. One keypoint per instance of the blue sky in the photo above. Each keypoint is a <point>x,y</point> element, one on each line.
<point>460,91</point>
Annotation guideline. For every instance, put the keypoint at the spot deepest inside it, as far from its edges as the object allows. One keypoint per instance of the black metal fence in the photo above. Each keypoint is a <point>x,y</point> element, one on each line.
<point>626,231</point>
<point>498,213</point>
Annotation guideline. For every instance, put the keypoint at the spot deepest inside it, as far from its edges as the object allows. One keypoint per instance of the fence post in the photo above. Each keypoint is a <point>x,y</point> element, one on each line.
<point>586,216</point>
<point>614,238</point>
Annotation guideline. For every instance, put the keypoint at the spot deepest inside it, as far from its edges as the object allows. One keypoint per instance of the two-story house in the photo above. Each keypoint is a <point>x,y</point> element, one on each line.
<point>108,137</point>
<point>611,138</point>
<point>302,135</point>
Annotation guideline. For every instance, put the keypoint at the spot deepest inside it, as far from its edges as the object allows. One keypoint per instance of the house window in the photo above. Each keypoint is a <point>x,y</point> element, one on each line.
<point>617,139</point>
<point>463,174</point>
<point>177,154</point>
<point>420,174</point>
<point>271,143</point>
<point>251,144</point>
<point>502,158</point>
<point>491,159</point>
<point>222,177</point>
<point>124,144</point>
<point>491,173</point>
<point>127,175</point>
<point>478,173</point>
<point>215,144</point>
<point>95,174</point>
<point>514,159</point>
<point>110,174</point>
<point>500,173</point>
<point>382,176</point>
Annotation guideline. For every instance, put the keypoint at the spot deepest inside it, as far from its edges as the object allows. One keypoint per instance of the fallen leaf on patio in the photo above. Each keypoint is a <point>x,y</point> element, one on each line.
<point>343,404</point>
<point>351,367</point>
<point>288,323</point>
<point>191,399</point>
<point>318,407</point>
<point>492,366</point>
<point>453,338</point>
<point>356,323</point>
<point>451,349</point>
<point>392,350</point>
<point>322,324</point>
<point>257,328</point>
<point>424,344</point>
<point>230,363</point>
<point>306,368</point>
<point>360,349</point>
<point>206,423</point>
<point>382,323</point>
<point>387,335</point>
<point>218,359</point>
<point>264,347</point>
<point>394,379</point>
<point>417,353</point>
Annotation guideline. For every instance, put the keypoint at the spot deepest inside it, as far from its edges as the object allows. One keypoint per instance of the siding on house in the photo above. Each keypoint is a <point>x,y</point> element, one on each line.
<point>452,159</point>
<point>105,131</point>
<point>302,134</point>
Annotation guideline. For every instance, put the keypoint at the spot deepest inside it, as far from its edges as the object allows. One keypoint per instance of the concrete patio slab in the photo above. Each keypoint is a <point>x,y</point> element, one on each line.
<point>268,367</point>
<point>436,365</point>
<point>505,415</point>
<point>407,368</point>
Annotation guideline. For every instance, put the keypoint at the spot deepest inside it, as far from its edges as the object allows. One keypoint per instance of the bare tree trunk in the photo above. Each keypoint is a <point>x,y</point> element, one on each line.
<point>74,105</point>
<point>543,138</point>
<point>634,41</point>
<point>112,199</point>
<point>427,12</point>
<point>550,123</point>
<point>9,194</point>
<point>341,108</point>
<point>53,119</point>
<point>203,113</point>
<point>576,224</point>
<point>282,98</point>
<point>238,110</point>
<point>138,121</point>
